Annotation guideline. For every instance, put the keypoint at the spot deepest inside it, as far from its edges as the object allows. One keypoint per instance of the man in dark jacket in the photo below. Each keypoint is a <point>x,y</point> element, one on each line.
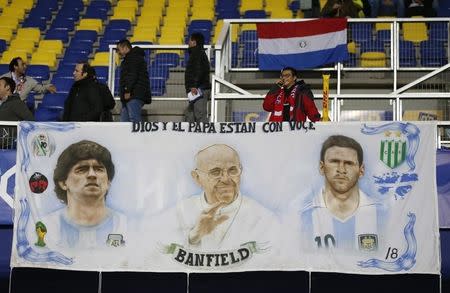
<point>12,108</point>
<point>290,100</point>
<point>196,80</point>
<point>134,83</point>
<point>84,102</point>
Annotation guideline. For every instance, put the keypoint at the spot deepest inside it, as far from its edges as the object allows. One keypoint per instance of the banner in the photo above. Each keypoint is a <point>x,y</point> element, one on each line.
<point>443,186</point>
<point>304,44</point>
<point>169,197</point>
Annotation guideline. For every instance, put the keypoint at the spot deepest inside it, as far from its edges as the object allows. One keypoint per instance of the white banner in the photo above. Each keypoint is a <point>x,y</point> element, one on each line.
<point>166,197</point>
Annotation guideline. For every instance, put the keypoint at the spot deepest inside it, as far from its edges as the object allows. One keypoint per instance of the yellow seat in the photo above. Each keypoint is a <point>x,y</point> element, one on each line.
<point>43,58</point>
<point>124,13</point>
<point>379,26</point>
<point>148,23</point>
<point>3,3</point>
<point>26,46</point>
<point>55,46</point>
<point>217,30</point>
<point>248,27</point>
<point>8,55</point>
<point>151,15</point>
<point>5,33</point>
<point>9,22</point>
<point>144,35</point>
<point>174,22</point>
<point>373,59</point>
<point>203,14</point>
<point>415,32</point>
<point>22,4</point>
<point>102,59</point>
<point>157,4</point>
<point>251,5</point>
<point>281,13</point>
<point>90,24</point>
<point>128,4</point>
<point>351,47</point>
<point>179,52</point>
<point>16,12</point>
<point>29,33</point>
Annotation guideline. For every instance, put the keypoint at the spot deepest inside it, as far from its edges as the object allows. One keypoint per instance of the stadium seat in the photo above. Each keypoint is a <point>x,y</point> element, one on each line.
<point>62,23</point>
<point>85,36</point>
<point>144,35</point>
<point>44,113</point>
<point>415,32</point>
<point>54,100</point>
<point>407,54</point>
<point>39,23</point>
<point>372,46</point>
<point>57,34</point>
<point>251,5</point>
<point>124,13</point>
<point>14,12</point>
<point>6,34</point>
<point>3,45</point>
<point>8,55</point>
<point>383,36</point>
<point>166,59</point>
<point>255,14</point>
<point>62,85</point>
<point>101,5</point>
<point>101,73</point>
<point>159,71</point>
<point>94,24</point>
<point>373,59</point>
<point>250,55</point>
<point>438,31</point>
<point>43,58</point>
<point>55,46</point>
<point>361,32</point>
<point>127,4</point>
<point>93,12</point>
<point>4,68</point>
<point>286,13</point>
<point>102,59</point>
<point>432,54</point>
<point>32,34</point>
<point>8,22</point>
<point>157,86</point>
<point>38,72</point>
<point>22,46</point>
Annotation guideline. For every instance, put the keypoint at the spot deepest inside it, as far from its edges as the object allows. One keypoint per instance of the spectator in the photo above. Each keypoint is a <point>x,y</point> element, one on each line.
<point>196,80</point>
<point>391,8</point>
<point>12,108</point>
<point>107,98</point>
<point>84,102</point>
<point>25,84</point>
<point>420,8</point>
<point>290,100</point>
<point>134,84</point>
<point>340,8</point>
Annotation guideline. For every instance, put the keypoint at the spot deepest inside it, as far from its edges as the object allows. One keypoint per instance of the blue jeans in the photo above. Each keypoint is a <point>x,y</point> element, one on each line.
<point>131,111</point>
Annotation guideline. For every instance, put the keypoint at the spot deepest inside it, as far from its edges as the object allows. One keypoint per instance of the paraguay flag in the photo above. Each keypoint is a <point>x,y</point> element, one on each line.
<point>305,44</point>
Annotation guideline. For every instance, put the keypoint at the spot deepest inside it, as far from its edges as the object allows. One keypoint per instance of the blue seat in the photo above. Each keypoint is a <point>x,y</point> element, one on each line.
<point>63,24</point>
<point>73,5</point>
<point>101,5</point>
<point>2,45</point>
<point>227,4</point>
<point>65,71</point>
<point>111,34</point>
<point>228,13</point>
<point>383,36</point>
<point>93,12</point>
<point>438,31</point>
<point>432,54</point>
<point>159,71</point>
<point>4,68</point>
<point>119,24</point>
<point>407,54</point>
<point>234,54</point>
<point>157,86</point>
<point>201,24</point>
<point>372,46</point>
<point>361,31</point>
<point>250,55</point>
<point>62,85</point>
<point>248,37</point>
<point>101,72</point>
<point>41,11</point>
<point>254,14</point>
<point>206,35</point>
<point>52,5</point>
<point>167,59</point>
<point>69,14</point>
<point>73,58</point>
<point>294,6</point>
<point>57,34</point>
<point>54,100</point>
<point>44,113</point>
<point>85,36</point>
<point>38,72</point>
<point>77,46</point>
<point>35,22</point>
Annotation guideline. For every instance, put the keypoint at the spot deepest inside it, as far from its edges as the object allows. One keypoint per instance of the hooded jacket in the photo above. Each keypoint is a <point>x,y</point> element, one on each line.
<point>304,102</point>
<point>84,102</point>
<point>14,109</point>
<point>197,69</point>
<point>134,76</point>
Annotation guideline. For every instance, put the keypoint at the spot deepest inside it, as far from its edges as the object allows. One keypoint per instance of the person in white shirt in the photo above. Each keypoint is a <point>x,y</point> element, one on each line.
<point>341,216</point>
<point>82,178</point>
<point>221,217</point>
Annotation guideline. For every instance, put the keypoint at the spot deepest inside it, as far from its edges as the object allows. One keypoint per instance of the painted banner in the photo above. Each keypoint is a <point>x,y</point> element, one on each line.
<point>166,197</point>
<point>303,44</point>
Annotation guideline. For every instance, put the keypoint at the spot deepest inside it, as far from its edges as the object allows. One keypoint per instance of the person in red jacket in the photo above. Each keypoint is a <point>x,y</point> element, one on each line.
<point>290,100</point>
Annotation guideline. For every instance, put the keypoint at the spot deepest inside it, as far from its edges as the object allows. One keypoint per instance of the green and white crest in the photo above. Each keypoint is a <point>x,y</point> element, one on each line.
<point>393,150</point>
